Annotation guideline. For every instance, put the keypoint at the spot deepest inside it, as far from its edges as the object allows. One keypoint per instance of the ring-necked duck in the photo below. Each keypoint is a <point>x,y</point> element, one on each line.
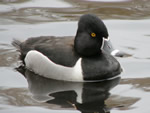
<point>71,59</point>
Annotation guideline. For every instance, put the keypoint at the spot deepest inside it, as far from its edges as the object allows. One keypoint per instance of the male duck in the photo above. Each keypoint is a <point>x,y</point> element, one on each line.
<point>71,59</point>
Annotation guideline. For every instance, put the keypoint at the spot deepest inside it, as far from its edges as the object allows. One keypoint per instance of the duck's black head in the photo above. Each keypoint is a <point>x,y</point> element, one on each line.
<point>89,37</point>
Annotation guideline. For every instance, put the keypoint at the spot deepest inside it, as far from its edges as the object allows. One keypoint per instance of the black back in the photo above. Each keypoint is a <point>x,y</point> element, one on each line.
<point>59,49</point>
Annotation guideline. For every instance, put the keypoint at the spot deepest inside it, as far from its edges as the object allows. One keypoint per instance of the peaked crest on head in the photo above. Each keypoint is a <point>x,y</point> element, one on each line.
<point>88,21</point>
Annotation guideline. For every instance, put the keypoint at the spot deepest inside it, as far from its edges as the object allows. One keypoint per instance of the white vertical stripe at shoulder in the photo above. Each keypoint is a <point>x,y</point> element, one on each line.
<point>42,65</point>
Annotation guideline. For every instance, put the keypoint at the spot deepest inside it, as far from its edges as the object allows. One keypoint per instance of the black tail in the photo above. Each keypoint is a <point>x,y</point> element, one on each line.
<point>16,43</point>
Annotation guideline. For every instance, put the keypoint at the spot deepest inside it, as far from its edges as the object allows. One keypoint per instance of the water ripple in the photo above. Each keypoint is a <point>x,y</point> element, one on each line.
<point>106,10</point>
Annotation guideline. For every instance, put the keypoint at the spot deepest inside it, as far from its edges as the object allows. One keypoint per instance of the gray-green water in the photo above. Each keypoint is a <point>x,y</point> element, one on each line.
<point>128,23</point>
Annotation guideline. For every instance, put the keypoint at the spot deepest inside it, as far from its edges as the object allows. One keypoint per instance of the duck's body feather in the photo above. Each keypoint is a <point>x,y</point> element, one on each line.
<point>100,67</point>
<point>54,57</point>
<point>59,49</point>
<point>42,65</point>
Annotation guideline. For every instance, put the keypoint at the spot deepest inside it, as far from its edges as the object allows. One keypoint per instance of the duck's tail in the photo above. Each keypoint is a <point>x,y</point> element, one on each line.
<point>17,44</point>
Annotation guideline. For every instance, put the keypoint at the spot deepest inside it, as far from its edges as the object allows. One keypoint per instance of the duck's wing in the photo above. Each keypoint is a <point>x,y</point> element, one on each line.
<point>58,49</point>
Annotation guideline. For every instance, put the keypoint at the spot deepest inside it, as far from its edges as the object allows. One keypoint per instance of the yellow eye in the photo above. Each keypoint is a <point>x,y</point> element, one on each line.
<point>93,34</point>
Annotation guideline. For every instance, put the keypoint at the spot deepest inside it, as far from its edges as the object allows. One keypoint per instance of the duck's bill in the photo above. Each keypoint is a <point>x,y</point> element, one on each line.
<point>108,47</point>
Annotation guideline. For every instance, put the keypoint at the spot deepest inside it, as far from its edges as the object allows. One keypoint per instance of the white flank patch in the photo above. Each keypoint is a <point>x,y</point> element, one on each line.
<point>42,65</point>
<point>79,92</point>
<point>114,52</point>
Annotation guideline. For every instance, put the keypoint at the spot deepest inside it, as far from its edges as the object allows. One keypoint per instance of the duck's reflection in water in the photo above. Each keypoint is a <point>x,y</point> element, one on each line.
<point>87,97</point>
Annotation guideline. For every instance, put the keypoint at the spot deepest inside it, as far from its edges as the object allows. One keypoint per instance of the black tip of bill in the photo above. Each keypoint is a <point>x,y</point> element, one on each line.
<point>108,48</point>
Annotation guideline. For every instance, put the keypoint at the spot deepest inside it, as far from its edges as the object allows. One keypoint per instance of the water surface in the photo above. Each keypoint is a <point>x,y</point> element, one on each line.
<point>128,26</point>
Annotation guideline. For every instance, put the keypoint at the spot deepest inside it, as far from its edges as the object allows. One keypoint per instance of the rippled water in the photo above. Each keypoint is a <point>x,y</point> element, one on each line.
<point>128,26</point>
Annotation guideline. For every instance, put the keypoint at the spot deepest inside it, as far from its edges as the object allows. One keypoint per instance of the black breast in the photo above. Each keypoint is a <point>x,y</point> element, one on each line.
<point>100,67</point>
